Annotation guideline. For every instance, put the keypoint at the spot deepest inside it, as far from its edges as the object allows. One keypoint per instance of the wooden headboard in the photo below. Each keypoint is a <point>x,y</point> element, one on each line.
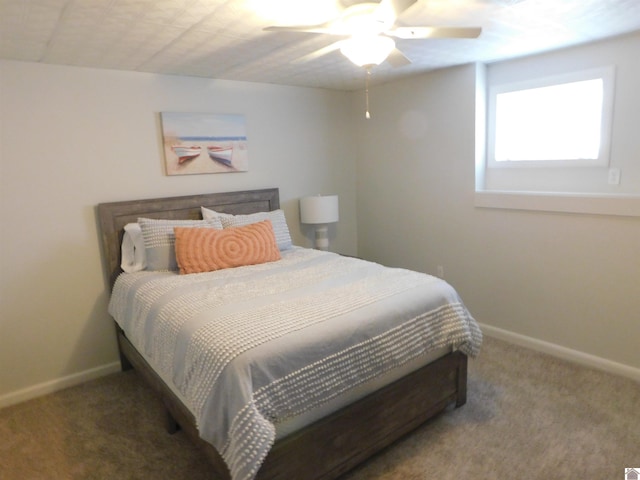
<point>114,216</point>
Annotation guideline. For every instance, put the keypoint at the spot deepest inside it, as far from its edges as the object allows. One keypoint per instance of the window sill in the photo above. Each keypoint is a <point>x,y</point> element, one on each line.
<point>587,203</point>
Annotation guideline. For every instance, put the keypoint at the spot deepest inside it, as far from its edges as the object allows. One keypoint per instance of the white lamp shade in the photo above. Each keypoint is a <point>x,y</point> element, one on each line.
<point>319,209</point>
<point>367,49</point>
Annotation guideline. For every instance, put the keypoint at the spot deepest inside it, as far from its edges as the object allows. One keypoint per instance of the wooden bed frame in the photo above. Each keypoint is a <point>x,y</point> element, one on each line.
<point>329,447</point>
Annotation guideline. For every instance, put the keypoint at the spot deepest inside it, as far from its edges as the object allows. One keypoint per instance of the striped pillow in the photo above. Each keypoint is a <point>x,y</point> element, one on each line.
<point>206,250</point>
<point>159,240</point>
<point>278,220</point>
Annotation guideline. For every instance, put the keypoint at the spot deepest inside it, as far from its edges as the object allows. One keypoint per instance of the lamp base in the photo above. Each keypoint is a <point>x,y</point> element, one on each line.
<point>322,238</point>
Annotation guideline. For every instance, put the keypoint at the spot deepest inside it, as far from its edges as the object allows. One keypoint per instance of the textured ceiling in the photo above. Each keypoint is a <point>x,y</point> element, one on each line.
<point>224,39</point>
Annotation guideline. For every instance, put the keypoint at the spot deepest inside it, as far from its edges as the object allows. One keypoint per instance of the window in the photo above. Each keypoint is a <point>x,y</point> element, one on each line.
<point>543,176</point>
<point>560,121</point>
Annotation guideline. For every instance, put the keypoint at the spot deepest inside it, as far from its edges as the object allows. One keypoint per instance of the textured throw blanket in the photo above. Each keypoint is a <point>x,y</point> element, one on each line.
<point>252,346</point>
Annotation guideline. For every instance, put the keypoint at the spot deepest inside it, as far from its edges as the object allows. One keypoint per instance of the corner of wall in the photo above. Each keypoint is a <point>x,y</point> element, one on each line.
<point>481,123</point>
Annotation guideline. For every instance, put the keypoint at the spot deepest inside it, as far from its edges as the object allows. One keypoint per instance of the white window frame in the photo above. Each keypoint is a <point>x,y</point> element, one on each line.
<point>607,74</point>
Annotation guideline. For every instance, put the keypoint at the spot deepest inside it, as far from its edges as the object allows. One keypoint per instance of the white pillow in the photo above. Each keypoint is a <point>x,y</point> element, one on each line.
<point>208,214</point>
<point>278,220</point>
<point>133,249</point>
<point>159,240</point>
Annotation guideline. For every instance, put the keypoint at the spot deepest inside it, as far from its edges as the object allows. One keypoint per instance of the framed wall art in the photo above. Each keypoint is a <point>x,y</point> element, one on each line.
<point>197,143</point>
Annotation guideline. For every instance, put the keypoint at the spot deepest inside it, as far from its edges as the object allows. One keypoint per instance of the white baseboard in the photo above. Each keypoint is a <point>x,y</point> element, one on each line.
<point>51,386</point>
<point>563,352</point>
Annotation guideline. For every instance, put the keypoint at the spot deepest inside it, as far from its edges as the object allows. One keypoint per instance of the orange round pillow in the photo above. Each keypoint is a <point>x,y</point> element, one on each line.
<point>207,249</point>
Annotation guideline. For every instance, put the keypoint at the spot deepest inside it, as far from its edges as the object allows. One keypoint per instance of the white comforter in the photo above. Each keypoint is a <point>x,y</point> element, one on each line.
<point>252,346</point>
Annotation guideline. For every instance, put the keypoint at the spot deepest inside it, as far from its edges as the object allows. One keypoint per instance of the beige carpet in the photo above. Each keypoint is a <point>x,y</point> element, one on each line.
<point>528,415</point>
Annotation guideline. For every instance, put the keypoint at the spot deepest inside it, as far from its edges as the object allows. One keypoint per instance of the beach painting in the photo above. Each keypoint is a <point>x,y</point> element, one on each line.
<point>197,143</point>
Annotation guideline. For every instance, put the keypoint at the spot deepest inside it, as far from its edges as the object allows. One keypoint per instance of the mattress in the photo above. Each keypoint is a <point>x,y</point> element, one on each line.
<point>259,351</point>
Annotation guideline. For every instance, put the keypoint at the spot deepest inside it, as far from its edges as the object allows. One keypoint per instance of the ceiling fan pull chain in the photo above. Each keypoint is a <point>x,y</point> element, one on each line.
<point>367,115</point>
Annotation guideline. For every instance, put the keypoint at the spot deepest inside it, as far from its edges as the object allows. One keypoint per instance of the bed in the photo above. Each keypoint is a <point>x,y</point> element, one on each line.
<point>334,436</point>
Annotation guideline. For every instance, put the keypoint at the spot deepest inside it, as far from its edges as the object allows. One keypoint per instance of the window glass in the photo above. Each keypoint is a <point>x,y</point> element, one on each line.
<point>551,122</point>
<point>572,132</point>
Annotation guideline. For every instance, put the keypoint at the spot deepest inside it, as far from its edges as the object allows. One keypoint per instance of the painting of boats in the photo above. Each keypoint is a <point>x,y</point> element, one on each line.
<point>221,154</point>
<point>187,136</point>
<point>185,153</point>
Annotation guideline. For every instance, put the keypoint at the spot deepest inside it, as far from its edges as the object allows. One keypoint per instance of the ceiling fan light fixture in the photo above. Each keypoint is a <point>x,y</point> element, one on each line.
<point>367,49</point>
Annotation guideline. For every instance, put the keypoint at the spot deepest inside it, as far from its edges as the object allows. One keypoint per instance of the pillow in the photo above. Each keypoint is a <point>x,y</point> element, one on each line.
<point>132,249</point>
<point>159,240</point>
<point>206,250</point>
<point>208,214</point>
<point>278,220</point>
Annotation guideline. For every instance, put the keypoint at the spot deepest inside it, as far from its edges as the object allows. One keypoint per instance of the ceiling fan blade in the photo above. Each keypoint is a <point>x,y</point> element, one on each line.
<point>397,59</point>
<point>319,53</point>
<point>434,32</point>
<point>322,28</point>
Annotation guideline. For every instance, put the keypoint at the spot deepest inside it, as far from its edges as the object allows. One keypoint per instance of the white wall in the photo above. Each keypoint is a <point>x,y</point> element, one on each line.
<point>571,280</point>
<point>71,138</point>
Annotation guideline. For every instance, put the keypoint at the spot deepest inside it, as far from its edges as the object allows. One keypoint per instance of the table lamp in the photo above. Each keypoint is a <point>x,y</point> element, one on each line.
<point>320,210</point>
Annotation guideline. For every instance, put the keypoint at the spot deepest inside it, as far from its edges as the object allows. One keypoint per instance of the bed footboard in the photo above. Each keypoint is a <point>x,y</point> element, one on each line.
<point>332,446</point>
<point>335,444</point>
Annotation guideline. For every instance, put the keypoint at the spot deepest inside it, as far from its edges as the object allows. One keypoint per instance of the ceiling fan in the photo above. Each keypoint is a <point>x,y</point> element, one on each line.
<point>370,28</point>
